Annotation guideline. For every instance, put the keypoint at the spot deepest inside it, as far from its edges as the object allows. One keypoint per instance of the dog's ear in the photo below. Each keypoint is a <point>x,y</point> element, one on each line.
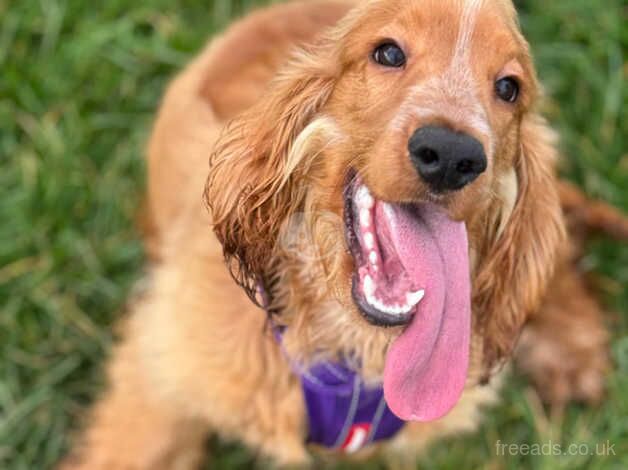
<point>259,165</point>
<point>515,271</point>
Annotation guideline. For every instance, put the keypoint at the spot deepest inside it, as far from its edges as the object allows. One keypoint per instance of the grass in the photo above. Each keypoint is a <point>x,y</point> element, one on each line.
<point>79,84</point>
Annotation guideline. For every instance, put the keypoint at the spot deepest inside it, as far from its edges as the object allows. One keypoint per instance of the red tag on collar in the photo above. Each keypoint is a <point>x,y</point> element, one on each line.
<point>356,437</point>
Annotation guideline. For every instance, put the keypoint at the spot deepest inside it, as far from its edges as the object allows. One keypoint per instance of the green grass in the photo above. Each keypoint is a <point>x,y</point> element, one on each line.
<point>79,84</point>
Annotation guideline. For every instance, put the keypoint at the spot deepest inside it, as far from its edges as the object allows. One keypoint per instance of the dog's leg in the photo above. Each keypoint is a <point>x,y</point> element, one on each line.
<point>564,349</point>
<point>586,215</point>
<point>132,428</point>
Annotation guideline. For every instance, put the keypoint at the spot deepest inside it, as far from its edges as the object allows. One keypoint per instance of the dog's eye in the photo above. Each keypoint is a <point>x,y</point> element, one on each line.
<point>507,89</point>
<point>389,55</point>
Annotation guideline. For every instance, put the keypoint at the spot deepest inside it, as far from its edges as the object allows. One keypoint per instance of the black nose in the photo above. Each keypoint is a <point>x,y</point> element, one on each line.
<point>445,159</point>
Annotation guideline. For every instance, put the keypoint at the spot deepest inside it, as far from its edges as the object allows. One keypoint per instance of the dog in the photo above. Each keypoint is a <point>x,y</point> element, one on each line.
<point>345,200</point>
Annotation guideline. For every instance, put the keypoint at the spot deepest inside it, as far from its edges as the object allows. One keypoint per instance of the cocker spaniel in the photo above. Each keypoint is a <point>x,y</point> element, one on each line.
<point>385,198</point>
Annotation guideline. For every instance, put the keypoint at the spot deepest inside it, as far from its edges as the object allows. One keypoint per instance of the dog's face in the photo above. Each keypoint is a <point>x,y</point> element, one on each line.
<point>411,123</point>
<point>430,104</point>
<point>431,99</point>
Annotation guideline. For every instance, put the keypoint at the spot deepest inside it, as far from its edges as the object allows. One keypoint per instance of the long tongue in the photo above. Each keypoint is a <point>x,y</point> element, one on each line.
<point>426,365</point>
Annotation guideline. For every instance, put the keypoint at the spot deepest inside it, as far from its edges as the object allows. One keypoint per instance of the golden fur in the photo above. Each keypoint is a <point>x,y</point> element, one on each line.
<point>196,356</point>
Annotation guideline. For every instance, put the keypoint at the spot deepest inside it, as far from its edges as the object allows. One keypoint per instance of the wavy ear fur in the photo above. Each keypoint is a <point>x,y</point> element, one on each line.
<point>257,170</point>
<point>515,272</point>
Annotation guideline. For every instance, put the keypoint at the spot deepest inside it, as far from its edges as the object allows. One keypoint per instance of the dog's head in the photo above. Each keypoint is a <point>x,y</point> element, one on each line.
<point>396,175</point>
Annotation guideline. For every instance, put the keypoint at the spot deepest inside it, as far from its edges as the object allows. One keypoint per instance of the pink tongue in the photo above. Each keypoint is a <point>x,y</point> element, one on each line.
<point>426,367</point>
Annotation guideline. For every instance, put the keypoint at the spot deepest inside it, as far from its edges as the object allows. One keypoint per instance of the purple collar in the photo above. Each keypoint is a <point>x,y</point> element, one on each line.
<point>343,412</point>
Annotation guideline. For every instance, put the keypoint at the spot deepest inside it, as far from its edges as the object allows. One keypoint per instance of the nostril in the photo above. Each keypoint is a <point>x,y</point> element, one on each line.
<point>465,166</point>
<point>428,156</point>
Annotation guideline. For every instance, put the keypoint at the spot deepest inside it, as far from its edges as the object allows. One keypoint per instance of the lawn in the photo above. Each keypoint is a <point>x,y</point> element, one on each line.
<point>79,84</point>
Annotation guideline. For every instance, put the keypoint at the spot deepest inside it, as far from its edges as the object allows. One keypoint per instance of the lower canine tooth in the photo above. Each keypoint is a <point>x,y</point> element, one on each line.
<point>414,298</point>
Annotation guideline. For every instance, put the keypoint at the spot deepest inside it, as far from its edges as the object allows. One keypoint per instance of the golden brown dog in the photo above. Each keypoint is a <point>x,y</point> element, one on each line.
<point>391,189</point>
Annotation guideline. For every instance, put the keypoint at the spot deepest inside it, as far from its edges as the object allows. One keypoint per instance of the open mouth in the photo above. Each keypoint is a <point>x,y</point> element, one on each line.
<point>382,288</point>
<point>411,268</point>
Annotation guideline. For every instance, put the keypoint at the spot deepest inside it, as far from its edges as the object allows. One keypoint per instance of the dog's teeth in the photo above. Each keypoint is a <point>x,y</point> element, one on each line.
<point>364,198</point>
<point>372,300</point>
<point>413,298</point>
<point>365,218</point>
<point>369,286</point>
<point>369,240</point>
<point>373,257</point>
<point>395,309</point>
<point>389,309</point>
<point>361,195</point>
<point>404,309</point>
<point>367,200</point>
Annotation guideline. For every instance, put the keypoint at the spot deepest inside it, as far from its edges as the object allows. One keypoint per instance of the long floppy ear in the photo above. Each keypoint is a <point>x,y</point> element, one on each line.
<point>518,267</point>
<point>258,167</point>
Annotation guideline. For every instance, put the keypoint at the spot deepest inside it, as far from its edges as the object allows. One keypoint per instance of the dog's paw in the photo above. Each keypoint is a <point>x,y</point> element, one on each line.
<point>565,367</point>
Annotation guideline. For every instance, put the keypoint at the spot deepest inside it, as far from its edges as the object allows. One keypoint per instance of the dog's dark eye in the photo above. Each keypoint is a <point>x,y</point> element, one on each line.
<point>389,55</point>
<point>507,89</point>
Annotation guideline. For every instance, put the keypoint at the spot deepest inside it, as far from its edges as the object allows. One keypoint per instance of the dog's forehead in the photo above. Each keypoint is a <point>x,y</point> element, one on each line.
<point>443,25</point>
<point>442,9</point>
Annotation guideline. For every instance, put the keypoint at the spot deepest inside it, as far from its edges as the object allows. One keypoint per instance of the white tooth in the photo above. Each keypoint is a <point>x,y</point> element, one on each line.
<point>369,240</point>
<point>361,194</point>
<point>414,298</point>
<point>394,309</point>
<point>365,217</point>
<point>364,198</point>
<point>373,257</point>
<point>372,300</point>
<point>369,286</point>
<point>379,304</point>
